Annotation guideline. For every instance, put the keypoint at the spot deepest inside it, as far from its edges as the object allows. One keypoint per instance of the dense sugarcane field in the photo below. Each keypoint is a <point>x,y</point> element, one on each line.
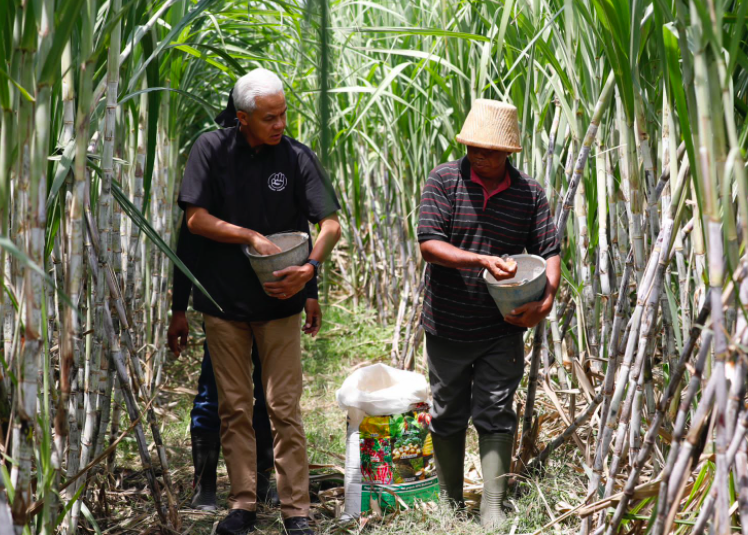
<point>633,116</point>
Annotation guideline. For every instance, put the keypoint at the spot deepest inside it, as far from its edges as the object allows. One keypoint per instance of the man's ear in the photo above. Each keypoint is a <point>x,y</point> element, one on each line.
<point>243,117</point>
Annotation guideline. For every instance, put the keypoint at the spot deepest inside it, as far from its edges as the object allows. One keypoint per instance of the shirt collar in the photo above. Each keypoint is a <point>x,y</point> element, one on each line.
<point>502,186</point>
<point>241,144</point>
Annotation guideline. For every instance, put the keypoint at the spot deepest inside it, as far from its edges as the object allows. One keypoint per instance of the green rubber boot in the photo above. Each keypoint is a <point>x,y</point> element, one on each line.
<point>449,457</point>
<point>495,457</point>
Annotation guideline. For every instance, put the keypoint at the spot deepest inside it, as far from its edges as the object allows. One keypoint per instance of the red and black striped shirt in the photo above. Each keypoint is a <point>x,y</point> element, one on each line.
<point>456,302</point>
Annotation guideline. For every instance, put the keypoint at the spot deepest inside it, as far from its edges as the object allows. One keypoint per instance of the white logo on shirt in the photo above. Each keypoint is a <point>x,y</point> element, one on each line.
<point>277,182</point>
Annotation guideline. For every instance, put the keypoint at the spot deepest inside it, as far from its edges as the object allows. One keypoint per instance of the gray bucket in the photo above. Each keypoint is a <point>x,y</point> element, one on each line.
<point>294,252</point>
<point>527,285</point>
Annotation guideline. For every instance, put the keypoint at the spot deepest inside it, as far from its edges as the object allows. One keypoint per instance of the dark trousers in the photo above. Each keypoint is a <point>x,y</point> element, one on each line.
<point>204,412</point>
<point>474,380</point>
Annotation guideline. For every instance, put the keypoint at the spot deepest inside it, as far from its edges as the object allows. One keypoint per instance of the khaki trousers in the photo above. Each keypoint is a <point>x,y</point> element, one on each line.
<point>279,344</point>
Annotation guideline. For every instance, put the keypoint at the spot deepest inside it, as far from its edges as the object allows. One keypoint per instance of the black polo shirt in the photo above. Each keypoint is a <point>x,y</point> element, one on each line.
<point>454,209</point>
<point>268,190</point>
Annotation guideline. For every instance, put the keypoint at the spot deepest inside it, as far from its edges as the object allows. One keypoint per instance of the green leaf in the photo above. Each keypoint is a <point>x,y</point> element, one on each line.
<point>380,89</point>
<point>204,57</point>
<point>6,479</point>
<point>420,55</point>
<point>66,22</point>
<point>142,223</point>
<point>169,39</point>
<point>63,168</point>
<point>209,108</point>
<point>154,98</point>
<point>672,51</point>
<point>26,94</point>
<point>433,32</point>
<point>9,246</point>
<point>69,505</point>
<point>90,518</point>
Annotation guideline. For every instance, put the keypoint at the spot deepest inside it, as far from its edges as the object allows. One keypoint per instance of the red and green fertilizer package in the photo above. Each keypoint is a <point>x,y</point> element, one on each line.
<point>389,457</point>
<point>397,457</point>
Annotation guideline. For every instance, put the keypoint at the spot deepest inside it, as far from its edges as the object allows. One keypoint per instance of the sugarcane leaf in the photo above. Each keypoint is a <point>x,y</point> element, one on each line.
<point>166,41</point>
<point>433,32</point>
<point>203,57</point>
<point>66,22</point>
<point>615,43</point>
<point>736,39</point>
<point>6,15</point>
<point>139,219</point>
<point>8,245</point>
<point>9,489</point>
<point>672,51</point>
<point>673,305</point>
<point>5,76</point>
<point>87,513</point>
<point>209,108</point>
<point>420,55</point>
<point>69,505</point>
<point>63,168</point>
<point>567,275</point>
<point>154,97</point>
<point>237,67</point>
<point>380,89</point>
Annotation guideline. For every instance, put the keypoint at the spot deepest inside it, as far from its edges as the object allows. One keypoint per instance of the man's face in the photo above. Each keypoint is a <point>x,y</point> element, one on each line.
<point>265,125</point>
<point>487,163</point>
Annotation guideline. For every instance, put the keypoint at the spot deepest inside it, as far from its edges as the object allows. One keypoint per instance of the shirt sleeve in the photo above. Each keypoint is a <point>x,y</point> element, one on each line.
<point>318,196</point>
<point>543,238</point>
<point>189,247</point>
<point>196,188</point>
<point>312,289</point>
<point>435,218</point>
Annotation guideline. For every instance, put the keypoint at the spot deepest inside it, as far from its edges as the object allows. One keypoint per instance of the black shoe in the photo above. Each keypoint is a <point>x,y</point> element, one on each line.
<point>206,448</point>
<point>237,522</point>
<point>267,493</point>
<point>298,525</point>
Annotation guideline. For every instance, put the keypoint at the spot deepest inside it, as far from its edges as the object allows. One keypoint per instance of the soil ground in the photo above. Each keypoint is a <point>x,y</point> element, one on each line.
<point>348,340</point>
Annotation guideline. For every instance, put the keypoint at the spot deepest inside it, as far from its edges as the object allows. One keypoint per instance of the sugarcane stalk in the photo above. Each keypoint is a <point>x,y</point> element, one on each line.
<point>551,154</point>
<point>104,222</point>
<point>738,439</point>
<point>26,367</point>
<point>602,219</point>
<point>659,418</point>
<point>741,469</point>
<point>128,395</point>
<point>568,432</point>
<point>138,380</point>
<point>587,310</point>
<point>707,156</point>
<point>643,147</point>
<point>74,275</point>
<point>532,385</point>
<point>584,152</point>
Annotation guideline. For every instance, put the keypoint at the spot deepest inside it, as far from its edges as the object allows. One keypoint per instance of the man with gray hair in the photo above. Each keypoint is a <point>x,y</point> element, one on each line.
<point>241,184</point>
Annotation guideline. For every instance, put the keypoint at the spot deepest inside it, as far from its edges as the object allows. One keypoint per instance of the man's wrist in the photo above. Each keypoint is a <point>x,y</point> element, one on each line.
<point>308,271</point>
<point>250,236</point>
<point>178,312</point>
<point>481,261</point>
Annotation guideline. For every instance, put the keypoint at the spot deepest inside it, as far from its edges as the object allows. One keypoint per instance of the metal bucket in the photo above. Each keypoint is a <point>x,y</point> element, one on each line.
<point>527,285</point>
<point>294,252</point>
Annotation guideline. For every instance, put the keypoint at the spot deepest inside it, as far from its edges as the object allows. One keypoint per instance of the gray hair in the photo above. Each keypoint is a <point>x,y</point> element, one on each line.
<point>259,82</point>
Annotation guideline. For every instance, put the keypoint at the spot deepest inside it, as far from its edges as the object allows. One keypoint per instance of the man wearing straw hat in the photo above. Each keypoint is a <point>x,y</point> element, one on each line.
<point>474,211</point>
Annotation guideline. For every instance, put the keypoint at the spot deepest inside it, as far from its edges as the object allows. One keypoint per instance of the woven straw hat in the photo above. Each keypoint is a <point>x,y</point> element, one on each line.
<point>491,125</point>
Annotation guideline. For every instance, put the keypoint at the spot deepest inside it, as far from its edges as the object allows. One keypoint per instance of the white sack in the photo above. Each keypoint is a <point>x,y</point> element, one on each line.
<point>376,390</point>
